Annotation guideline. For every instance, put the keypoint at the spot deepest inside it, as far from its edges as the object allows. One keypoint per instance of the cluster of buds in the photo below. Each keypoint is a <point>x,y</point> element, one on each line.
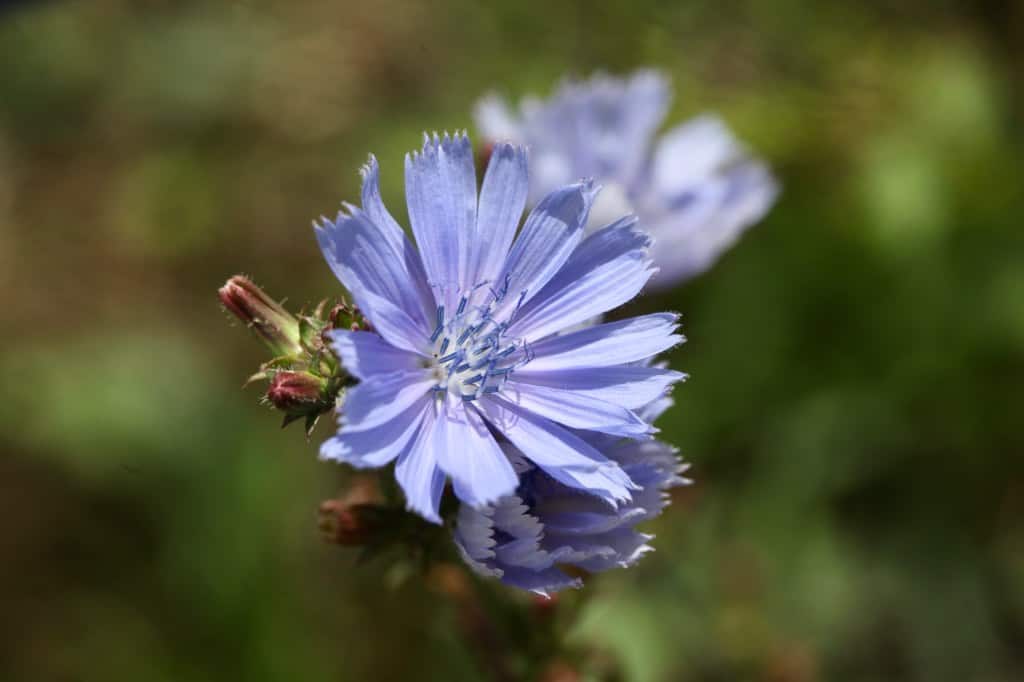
<point>305,378</point>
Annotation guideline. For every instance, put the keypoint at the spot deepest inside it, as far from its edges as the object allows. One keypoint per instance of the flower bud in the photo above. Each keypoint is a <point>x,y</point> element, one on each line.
<point>350,525</point>
<point>278,328</point>
<point>297,393</point>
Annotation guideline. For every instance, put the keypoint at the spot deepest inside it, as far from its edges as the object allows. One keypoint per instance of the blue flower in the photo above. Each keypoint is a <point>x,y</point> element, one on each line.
<point>526,539</point>
<point>466,345</point>
<point>696,191</point>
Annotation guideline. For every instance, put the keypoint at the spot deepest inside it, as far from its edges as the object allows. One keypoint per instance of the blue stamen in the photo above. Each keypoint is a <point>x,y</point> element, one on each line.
<point>462,306</point>
<point>507,352</point>
<point>451,356</point>
<point>444,345</point>
<point>440,324</point>
<point>519,303</point>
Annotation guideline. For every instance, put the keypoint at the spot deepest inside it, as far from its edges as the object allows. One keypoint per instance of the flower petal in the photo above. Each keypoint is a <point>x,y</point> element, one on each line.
<point>502,199</point>
<point>608,269</point>
<point>617,118</point>
<point>474,534</point>
<point>468,453</point>
<point>576,410</point>
<point>418,474</point>
<point>367,263</point>
<point>364,354</point>
<point>704,222</point>
<point>373,204</point>
<point>551,233</point>
<point>382,397</point>
<point>692,153</point>
<point>603,345</point>
<point>392,323</point>
<point>630,386</point>
<point>540,582</point>
<point>440,188</point>
<point>377,446</point>
<point>564,456</point>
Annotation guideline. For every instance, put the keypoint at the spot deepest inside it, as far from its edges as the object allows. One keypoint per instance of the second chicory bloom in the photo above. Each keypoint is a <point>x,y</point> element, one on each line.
<point>696,189</point>
<point>466,342</point>
<point>528,538</point>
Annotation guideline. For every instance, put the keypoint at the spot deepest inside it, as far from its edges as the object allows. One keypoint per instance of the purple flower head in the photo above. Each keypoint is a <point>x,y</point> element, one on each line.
<point>466,346</point>
<point>696,190</point>
<point>527,538</point>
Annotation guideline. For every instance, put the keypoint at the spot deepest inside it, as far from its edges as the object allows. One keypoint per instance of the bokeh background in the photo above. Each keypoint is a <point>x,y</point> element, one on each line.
<point>854,415</point>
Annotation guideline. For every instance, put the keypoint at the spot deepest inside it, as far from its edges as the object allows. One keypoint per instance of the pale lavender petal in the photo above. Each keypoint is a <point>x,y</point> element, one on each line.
<point>608,269</point>
<point>502,200</point>
<point>613,343</point>
<point>364,354</point>
<point>564,456</point>
<point>692,153</point>
<point>551,233</point>
<point>382,397</point>
<point>576,410</point>
<point>373,204</point>
<point>630,386</point>
<point>440,187</point>
<point>364,258</point>
<point>377,446</point>
<point>468,453</point>
<point>392,323</point>
<point>702,224</point>
<point>418,474</point>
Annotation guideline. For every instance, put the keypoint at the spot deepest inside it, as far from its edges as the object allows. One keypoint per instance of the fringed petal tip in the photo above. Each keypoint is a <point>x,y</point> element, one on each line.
<point>507,149</point>
<point>370,169</point>
<point>446,141</point>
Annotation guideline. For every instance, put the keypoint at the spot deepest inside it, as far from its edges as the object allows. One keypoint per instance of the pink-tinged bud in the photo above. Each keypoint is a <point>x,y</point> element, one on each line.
<point>297,392</point>
<point>483,155</point>
<point>278,328</point>
<point>350,525</point>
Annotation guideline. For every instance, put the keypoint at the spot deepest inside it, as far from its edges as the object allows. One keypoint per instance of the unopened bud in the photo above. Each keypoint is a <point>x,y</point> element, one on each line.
<point>297,392</point>
<point>350,525</point>
<point>278,328</point>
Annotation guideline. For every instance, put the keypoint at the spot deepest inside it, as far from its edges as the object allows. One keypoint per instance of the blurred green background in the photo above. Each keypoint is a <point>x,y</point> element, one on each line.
<point>855,412</point>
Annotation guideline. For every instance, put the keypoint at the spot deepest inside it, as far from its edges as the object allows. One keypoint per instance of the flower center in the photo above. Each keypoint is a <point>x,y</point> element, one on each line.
<point>472,354</point>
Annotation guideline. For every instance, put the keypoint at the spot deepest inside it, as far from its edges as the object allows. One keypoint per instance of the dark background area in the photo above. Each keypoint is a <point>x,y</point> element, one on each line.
<point>857,361</point>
